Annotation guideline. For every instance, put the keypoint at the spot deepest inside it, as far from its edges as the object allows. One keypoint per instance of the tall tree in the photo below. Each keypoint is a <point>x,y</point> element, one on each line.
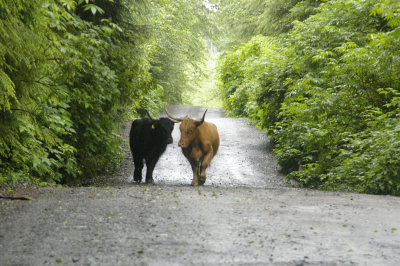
<point>180,30</point>
<point>240,20</point>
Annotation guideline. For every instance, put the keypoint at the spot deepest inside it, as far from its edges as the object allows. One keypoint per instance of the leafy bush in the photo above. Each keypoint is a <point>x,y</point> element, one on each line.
<point>33,113</point>
<point>246,72</point>
<point>327,94</point>
<point>372,165</point>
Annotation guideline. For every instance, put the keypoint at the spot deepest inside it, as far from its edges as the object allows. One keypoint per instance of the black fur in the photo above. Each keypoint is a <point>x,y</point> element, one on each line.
<point>148,140</point>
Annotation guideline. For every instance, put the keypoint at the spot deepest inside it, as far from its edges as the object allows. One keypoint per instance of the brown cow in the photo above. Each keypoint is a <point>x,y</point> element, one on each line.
<point>199,142</point>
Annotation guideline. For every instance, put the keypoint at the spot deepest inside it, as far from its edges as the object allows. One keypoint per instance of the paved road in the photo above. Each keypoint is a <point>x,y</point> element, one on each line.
<point>245,214</point>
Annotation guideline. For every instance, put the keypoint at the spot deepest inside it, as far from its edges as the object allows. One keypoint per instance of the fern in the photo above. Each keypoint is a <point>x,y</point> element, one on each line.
<point>7,91</point>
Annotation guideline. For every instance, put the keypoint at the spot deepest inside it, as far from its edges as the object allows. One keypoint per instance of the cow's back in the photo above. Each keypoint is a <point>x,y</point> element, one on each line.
<point>146,139</point>
<point>209,132</point>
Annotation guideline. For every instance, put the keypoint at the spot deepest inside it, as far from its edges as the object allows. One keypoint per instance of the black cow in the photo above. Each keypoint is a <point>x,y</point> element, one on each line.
<point>148,139</point>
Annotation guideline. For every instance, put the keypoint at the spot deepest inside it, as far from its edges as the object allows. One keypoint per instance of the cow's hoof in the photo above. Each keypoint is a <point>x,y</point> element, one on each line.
<point>136,180</point>
<point>194,183</point>
<point>149,181</point>
<point>202,181</point>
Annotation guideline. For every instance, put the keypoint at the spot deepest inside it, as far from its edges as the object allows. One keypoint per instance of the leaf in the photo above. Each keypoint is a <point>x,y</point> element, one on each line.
<point>8,91</point>
<point>93,8</point>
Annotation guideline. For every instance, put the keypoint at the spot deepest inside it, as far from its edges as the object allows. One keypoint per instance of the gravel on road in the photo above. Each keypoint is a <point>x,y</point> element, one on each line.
<point>246,214</point>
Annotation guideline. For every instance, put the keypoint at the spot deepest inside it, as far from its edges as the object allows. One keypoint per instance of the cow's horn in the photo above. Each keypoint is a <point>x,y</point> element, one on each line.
<point>204,115</point>
<point>176,120</point>
<point>147,112</point>
<point>199,122</point>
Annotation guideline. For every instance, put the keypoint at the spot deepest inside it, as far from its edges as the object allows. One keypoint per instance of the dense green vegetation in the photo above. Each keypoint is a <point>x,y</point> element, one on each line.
<point>322,79</point>
<point>205,91</point>
<point>73,71</point>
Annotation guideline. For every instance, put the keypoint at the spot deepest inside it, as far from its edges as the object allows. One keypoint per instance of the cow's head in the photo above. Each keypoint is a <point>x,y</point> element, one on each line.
<point>164,126</point>
<point>188,128</point>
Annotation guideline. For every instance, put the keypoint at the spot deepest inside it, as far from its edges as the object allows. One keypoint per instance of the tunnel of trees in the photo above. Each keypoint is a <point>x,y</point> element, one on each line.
<point>73,72</point>
<point>321,78</point>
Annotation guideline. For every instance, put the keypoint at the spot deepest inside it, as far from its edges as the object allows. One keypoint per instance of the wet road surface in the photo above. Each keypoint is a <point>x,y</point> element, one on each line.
<point>243,158</point>
<point>246,214</point>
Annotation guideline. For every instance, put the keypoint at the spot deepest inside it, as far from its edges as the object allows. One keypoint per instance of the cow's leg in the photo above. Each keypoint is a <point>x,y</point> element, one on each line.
<point>194,159</point>
<point>150,164</point>
<point>195,169</point>
<point>204,164</point>
<point>137,173</point>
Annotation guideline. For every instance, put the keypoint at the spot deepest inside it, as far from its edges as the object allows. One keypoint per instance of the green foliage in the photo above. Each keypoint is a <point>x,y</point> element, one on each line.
<point>251,76</point>
<point>33,117</point>
<point>327,93</point>
<point>206,92</point>
<point>372,165</point>
<point>240,20</point>
<point>73,72</point>
<point>181,28</point>
<point>231,77</point>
